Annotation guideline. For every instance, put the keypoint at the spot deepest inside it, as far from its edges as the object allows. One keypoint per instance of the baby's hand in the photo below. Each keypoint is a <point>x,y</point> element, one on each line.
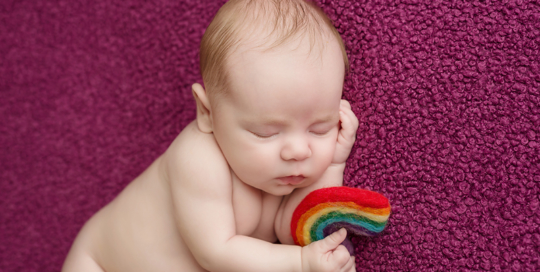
<point>327,255</point>
<point>347,132</point>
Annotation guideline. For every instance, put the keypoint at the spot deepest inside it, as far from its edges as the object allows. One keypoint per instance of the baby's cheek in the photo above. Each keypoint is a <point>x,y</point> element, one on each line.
<point>325,152</point>
<point>259,159</point>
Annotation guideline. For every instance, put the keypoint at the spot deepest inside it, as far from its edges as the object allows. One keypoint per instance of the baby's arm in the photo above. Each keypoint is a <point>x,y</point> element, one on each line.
<point>332,177</point>
<point>202,195</point>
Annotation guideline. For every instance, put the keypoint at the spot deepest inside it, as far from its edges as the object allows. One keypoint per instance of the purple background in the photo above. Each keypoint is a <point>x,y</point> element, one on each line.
<point>447,93</point>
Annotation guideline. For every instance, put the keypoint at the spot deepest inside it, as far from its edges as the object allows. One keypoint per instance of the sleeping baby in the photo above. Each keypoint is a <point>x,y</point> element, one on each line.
<point>271,127</point>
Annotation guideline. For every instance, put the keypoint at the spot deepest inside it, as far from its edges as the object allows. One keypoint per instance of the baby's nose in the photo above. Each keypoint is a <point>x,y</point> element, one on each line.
<point>297,149</point>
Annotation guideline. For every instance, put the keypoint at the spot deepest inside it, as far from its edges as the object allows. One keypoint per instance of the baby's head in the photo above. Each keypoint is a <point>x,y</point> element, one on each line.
<point>259,25</point>
<point>273,72</point>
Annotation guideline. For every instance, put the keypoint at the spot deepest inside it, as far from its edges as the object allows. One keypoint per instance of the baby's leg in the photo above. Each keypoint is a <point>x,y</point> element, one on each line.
<point>79,257</point>
<point>79,260</point>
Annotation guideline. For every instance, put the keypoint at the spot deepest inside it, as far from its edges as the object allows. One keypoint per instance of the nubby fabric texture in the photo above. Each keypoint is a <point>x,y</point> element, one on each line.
<point>446,92</point>
<point>325,211</point>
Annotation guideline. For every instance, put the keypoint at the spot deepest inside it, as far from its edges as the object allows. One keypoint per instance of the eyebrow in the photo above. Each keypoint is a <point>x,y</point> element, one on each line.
<point>327,118</point>
<point>272,121</point>
<point>280,121</point>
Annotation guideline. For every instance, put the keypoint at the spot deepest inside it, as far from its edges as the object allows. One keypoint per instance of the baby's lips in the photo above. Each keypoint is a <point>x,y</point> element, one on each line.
<point>292,180</point>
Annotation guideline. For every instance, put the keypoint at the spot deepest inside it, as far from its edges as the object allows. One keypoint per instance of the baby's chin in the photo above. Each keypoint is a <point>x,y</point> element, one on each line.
<point>283,190</point>
<point>279,190</point>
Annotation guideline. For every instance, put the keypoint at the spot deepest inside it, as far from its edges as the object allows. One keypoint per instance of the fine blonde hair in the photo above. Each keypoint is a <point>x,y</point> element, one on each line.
<point>237,20</point>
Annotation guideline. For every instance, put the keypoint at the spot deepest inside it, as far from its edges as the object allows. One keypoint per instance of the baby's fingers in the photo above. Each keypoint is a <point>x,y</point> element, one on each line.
<point>351,265</point>
<point>342,258</point>
<point>332,241</point>
<point>347,132</point>
<point>349,121</point>
<point>344,104</point>
<point>348,129</point>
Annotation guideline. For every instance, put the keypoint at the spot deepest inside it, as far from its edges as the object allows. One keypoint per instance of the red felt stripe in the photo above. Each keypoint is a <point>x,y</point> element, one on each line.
<point>361,197</point>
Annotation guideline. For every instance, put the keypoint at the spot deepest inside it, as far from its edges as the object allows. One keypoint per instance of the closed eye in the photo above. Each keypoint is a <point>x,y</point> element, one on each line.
<point>263,136</point>
<point>320,133</point>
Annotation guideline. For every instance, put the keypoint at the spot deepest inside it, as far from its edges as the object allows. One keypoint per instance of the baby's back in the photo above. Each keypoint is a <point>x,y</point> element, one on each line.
<point>135,232</point>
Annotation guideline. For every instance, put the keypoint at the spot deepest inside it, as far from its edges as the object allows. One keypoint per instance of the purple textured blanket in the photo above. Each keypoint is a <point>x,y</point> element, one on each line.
<point>447,93</point>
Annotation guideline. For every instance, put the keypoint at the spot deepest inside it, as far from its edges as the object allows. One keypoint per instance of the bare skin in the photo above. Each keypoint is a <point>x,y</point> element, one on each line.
<point>225,189</point>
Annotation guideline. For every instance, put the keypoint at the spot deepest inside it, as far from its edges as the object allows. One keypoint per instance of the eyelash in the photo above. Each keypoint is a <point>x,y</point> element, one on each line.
<point>263,136</point>
<point>272,135</point>
<point>321,134</point>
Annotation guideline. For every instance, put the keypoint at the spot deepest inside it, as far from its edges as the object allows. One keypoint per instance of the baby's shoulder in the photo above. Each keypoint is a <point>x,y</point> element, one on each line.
<point>194,154</point>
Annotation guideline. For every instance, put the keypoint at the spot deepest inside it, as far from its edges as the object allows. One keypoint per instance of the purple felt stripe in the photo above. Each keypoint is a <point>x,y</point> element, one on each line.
<point>351,229</point>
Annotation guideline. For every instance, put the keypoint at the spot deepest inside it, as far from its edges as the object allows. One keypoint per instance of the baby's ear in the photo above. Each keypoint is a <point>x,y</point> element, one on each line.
<point>204,117</point>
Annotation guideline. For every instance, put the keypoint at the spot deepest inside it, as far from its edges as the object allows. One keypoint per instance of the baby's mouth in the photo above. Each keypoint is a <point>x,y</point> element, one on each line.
<point>292,180</point>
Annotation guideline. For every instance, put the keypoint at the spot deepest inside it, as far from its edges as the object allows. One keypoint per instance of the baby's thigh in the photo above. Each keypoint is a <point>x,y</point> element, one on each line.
<point>79,259</point>
<point>80,255</point>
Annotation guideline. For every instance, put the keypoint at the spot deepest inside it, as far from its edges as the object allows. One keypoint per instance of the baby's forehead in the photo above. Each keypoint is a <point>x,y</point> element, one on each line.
<point>286,70</point>
<point>312,51</point>
<point>300,52</point>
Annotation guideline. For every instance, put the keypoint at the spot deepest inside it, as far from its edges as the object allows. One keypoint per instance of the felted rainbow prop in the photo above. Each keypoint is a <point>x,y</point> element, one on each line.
<point>326,210</point>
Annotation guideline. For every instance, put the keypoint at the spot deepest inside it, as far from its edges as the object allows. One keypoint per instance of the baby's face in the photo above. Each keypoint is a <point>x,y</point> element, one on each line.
<point>278,127</point>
